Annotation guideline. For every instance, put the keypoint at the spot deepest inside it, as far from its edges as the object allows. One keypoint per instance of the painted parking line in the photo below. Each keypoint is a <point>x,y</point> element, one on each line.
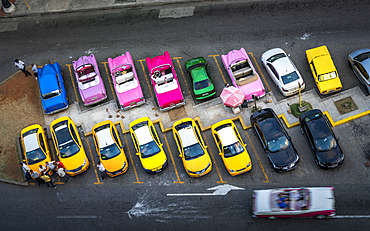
<point>133,164</point>
<point>146,77</point>
<point>214,57</point>
<point>182,73</point>
<point>93,162</point>
<point>109,79</point>
<point>259,69</point>
<point>173,162</point>
<point>221,181</point>
<point>259,161</point>
<point>54,158</point>
<point>73,82</point>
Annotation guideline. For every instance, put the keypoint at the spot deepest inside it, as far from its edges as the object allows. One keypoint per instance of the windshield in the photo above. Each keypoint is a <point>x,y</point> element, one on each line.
<point>193,151</point>
<point>149,149</point>
<point>325,144</point>
<point>276,57</point>
<point>110,151</point>
<point>327,76</point>
<point>362,57</point>
<point>290,77</point>
<point>202,84</point>
<point>196,65</point>
<point>67,146</point>
<point>233,149</point>
<point>276,144</point>
<point>51,94</point>
<point>35,156</point>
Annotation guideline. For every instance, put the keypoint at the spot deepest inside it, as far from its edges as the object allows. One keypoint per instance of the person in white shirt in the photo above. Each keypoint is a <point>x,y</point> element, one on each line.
<point>18,63</point>
<point>102,170</point>
<point>35,70</point>
<point>35,175</point>
<point>42,169</point>
<point>26,171</point>
<point>61,173</point>
<point>51,165</point>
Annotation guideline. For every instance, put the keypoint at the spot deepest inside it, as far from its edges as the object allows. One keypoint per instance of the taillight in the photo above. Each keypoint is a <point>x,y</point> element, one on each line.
<point>284,90</point>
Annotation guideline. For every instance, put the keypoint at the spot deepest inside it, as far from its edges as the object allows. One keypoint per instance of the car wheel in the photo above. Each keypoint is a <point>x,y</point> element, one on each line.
<point>366,90</point>
<point>320,216</point>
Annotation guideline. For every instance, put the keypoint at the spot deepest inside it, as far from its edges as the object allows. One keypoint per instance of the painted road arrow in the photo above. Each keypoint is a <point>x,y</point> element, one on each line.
<point>219,190</point>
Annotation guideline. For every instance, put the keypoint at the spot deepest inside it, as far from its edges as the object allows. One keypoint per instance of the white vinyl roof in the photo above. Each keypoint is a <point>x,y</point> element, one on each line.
<point>104,137</point>
<point>143,135</point>
<point>31,142</point>
<point>227,136</point>
<point>187,136</point>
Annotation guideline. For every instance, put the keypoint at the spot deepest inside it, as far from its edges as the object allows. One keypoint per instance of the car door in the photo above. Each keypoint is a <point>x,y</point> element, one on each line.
<point>260,136</point>
<point>361,73</point>
<point>273,73</point>
<point>219,144</point>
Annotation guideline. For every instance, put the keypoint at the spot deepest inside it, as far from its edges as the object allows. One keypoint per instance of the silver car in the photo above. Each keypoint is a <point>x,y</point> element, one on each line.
<point>359,61</point>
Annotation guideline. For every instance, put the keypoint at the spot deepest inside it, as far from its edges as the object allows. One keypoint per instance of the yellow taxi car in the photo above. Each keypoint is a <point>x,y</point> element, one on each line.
<point>148,145</point>
<point>35,147</point>
<point>323,70</point>
<point>109,148</point>
<point>232,149</point>
<point>68,146</point>
<point>192,149</point>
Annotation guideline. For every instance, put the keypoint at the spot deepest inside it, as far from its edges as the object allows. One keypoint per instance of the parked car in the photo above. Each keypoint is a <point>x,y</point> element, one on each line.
<point>89,82</point>
<point>68,146</point>
<point>231,147</point>
<point>294,202</point>
<point>125,81</point>
<point>109,148</point>
<point>198,73</point>
<point>148,146</point>
<point>321,139</point>
<point>52,91</point>
<point>359,61</point>
<point>242,74</point>
<point>165,83</point>
<point>275,140</point>
<point>282,71</point>
<point>323,70</point>
<point>193,151</point>
<point>35,147</point>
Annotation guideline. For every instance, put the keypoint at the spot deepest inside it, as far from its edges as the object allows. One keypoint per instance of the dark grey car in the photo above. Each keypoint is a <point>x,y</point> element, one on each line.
<point>359,61</point>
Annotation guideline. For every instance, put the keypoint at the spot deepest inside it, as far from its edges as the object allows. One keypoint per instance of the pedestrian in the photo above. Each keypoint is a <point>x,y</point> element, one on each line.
<point>26,171</point>
<point>35,175</point>
<point>227,85</point>
<point>20,64</point>
<point>48,180</point>
<point>102,170</point>
<point>51,165</point>
<point>62,174</point>
<point>60,164</point>
<point>42,169</point>
<point>35,70</point>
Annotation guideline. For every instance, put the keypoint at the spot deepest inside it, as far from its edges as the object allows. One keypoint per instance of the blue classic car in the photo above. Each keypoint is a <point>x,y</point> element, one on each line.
<point>53,93</point>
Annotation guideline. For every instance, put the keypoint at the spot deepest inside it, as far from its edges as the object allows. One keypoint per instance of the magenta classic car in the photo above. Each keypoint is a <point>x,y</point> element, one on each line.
<point>242,74</point>
<point>125,81</point>
<point>90,84</point>
<point>165,83</point>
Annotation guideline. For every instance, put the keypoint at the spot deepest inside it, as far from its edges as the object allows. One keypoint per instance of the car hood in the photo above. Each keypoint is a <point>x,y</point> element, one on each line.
<point>75,161</point>
<point>154,162</point>
<point>199,163</point>
<point>272,52</point>
<point>262,200</point>
<point>233,56</point>
<point>284,157</point>
<point>115,163</point>
<point>322,198</point>
<point>237,162</point>
<point>330,157</point>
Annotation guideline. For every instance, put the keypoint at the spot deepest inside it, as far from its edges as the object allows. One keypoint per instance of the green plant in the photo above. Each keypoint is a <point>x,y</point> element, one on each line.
<point>295,108</point>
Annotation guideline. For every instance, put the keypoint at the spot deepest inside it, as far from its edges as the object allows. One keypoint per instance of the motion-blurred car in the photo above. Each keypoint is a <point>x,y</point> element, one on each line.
<point>359,61</point>
<point>275,140</point>
<point>323,70</point>
<point>192,149</point>
<point>148,145</point>
<point>321,139</point>
<point>165,83</point>
<point>125,81</point>
<point>242,74</point>
<point>282,71</point>
<point>52,91</point>
<point>231,147</point>
<point>299,202</point>
<point>68,146</point>
<point>109,148</point>
<point>197,70</point>
<point>35,146</point>
<point>89,81</point>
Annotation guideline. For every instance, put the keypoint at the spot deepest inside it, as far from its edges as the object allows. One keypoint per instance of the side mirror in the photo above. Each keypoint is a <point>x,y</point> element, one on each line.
<point>122,146</point>
<point>180,155</point>
<point>337,139</point>
<point>220,154</point>
<point>245,145</point>
<point>138,154</point>
<point>161,144</point>
<point>206,147</point>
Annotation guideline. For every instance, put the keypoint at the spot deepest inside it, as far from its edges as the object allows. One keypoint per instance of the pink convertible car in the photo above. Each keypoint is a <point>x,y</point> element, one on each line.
<point>242,74</point>
<point>90,84</point>
<point>165,83</point>
<point>125,81</point>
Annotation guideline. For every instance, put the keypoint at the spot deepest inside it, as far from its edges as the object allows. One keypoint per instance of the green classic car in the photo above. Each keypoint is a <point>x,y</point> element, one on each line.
<point>197,70</point>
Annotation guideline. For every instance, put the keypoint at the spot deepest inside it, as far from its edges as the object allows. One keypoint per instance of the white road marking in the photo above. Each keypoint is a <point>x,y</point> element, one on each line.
<point>176,12</point>
<point>306,36</point>
<point>351,216</point>
<point>78,217</point>
<point>220,190</point>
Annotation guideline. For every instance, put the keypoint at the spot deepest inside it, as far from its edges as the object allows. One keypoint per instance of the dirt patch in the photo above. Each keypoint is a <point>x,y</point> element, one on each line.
<point>20,106</point>
<point>345,105</point>
<point>177,113</point>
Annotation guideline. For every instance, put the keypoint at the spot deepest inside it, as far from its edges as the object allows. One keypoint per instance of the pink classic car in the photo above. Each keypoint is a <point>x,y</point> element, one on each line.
<point>165,83</point>
<point>90,84</point>
<point>242,74</point>
<point>125,81</point>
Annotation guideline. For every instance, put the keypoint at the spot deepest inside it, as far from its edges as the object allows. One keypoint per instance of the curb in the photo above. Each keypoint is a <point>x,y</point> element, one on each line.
<point>13,182</point>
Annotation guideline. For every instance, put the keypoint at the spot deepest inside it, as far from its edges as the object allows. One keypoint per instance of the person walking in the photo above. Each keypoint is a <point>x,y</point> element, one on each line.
<point>35,175</point>
<point>35,70</point>
<point>26,171</point>
<point>48,180</point>
<point>61,173</point>
<point>51,165</point>
<point>20,64</point>
<point>102,170</point>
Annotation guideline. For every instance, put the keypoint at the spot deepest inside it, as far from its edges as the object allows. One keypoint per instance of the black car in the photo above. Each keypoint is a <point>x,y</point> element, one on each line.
<point>275,140</point>
<point>321,139</point>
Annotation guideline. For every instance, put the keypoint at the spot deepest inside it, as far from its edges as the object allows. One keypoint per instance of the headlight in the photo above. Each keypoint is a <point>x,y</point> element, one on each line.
<point>249,164</point>
<point>84,163</point>
<point>230,170</point>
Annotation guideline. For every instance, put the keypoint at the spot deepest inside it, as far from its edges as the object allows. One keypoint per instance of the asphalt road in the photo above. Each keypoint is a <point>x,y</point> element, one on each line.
<point>139,201</point>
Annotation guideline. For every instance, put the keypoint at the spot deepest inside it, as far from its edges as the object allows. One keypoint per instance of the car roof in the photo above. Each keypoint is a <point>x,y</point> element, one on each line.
<point>187,136</point>
<point>31,142</point>
<point>48,83</point>
<point>143,135</point>
<point>104,137</point>
<point>323,64</point>
<point>227,135</point>
<point>199,73</point>
<point>283,66</point>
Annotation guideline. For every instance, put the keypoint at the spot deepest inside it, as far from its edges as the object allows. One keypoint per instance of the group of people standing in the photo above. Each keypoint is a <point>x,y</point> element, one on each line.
<point>20,64</point>
<point>44,174</point>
